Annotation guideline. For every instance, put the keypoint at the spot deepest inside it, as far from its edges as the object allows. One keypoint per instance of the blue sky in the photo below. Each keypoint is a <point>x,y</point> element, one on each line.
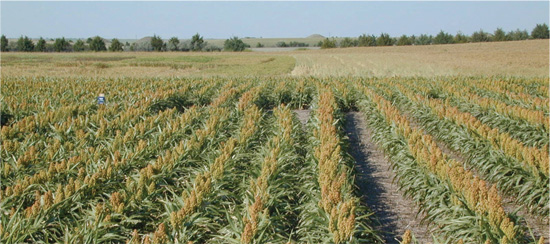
<point>128,20</point>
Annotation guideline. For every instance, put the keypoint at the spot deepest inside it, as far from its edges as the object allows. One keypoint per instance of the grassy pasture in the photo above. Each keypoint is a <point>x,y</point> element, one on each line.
<point>167,64</point>
<point>521,58</point>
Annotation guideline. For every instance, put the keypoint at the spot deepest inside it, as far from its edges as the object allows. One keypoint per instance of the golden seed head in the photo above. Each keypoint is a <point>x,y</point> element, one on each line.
<point>407,237</point>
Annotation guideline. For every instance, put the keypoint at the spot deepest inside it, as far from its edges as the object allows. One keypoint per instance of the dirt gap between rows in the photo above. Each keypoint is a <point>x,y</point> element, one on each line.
<point>375,180</point>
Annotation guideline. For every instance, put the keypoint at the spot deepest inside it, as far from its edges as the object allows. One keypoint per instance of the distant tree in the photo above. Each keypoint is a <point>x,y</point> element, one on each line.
<point>212,48</point>
<point>460,38</point>
<point>424,40</point>
<point>61,45</point>
<point>157,43</point>
<point>184,46</point>
<point>384,40</point>
<point>328,43</point>
<point>197,43</point>
<point>89,40</point>
<point>173,44</point>
<point>235,44</point>
<point>517,35</point>
<point>97,44</point>
<point>40,45</point>
<point>540,32</point>
<point>259,45</point>
<point>116,46</point>
<point>413,39</point>
<point>3,44</point>
<point>20,44</point>
<point>366,41</point>
<point>320,43</point>
<point>404,40</point>
<point>24,44</point>
<point>481,36</point>
<point>348,42</point>
<point>281,44</point>
<point>298,44</point>
<point>443,38</point>
<point>143,46</point>
<point>499,35</point>
<point>79,46</point>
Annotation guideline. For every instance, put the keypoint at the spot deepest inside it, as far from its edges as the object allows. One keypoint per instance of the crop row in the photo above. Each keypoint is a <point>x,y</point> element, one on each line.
<point>219,160</point>
<point>462,206</point>
<point>518,170</point>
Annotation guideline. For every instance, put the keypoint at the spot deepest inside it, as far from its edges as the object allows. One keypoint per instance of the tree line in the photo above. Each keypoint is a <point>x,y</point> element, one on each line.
<point>98,44</point>
<point>197,43</point>
<point>540,31</point>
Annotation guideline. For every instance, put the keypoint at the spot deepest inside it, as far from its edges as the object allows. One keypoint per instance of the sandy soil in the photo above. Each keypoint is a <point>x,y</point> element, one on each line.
<point>303,115</point>
<point>396,213</point>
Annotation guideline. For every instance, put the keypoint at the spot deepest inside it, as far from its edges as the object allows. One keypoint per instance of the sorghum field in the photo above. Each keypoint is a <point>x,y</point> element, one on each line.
<point>226,159</point>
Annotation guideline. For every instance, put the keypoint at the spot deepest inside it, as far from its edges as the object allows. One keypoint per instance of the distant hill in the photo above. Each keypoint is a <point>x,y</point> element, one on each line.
<point>315,36</point>
<point>146,39</point>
